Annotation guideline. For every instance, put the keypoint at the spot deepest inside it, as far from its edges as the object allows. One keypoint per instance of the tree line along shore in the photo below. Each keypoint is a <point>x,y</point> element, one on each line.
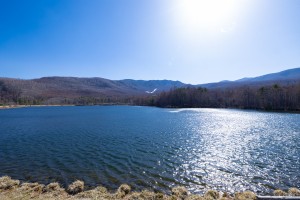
<point>274,97</point>
<point>14,189</point>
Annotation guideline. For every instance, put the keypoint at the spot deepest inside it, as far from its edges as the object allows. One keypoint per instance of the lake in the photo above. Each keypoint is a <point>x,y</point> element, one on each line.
<point>152,148</point>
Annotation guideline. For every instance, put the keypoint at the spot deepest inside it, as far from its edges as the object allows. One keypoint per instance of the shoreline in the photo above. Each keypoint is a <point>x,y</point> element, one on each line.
<point>28,106</point>
<point>61,105</point>
<point>11,107</point>
<point>15,189</point>
<point>119,104</point>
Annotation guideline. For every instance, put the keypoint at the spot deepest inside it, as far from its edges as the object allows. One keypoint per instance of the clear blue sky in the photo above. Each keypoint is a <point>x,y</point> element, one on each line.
<point>149,39</point>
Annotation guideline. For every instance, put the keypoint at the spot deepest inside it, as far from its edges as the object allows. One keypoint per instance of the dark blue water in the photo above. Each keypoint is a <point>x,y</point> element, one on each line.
<point>228,150</point>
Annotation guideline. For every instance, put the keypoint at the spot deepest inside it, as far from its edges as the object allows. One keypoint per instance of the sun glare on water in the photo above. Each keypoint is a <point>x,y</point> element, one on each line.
<point>194,16</point>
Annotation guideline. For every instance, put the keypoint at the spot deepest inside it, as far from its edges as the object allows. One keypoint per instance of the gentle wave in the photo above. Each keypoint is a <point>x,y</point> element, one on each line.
<point>227,150</point>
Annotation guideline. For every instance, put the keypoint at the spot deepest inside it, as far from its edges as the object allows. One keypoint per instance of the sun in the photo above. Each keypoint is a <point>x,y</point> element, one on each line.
<point>205,15</point>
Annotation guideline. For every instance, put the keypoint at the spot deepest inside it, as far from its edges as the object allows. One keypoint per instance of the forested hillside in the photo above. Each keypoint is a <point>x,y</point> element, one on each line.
<point>81,91</point>
<point>270,97</point>
<point>277,91</point>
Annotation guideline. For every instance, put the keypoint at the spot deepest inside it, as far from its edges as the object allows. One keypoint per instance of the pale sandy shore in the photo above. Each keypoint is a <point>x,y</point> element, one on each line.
<point>24,106</point>
<point>11,106</point>
<point>14,189</point>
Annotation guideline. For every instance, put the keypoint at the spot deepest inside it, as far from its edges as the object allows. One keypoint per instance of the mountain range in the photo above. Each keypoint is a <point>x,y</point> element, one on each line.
<point>285,77</point>
<point>73,87</point>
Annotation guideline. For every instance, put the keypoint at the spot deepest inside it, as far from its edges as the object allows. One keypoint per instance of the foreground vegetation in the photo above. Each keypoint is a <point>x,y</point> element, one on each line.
<point>13,189</point>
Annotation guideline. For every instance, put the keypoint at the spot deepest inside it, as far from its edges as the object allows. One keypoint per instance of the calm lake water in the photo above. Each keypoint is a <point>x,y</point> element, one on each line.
<point>146,147</point>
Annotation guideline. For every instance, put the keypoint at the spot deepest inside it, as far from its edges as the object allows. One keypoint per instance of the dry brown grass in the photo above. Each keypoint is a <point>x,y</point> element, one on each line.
<point>97,193</point>
<point>145,195</point>
<point>11,189</point>
<point>76,187</point>
<point>294,192</point>
<point>247,195</point>
<point>123,190</point>
<point>211,195</point>
<point>51,187</point>
<point>7,183</point>
<point>279,193</point>
<point>180,192</point>
<point>195,197</point>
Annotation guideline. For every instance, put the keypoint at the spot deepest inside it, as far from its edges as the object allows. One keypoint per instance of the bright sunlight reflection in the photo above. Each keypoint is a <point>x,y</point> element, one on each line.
<point>205,15</point>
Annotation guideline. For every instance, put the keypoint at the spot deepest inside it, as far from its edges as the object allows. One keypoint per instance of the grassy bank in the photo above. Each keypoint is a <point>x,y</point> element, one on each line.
<point>14,189</point>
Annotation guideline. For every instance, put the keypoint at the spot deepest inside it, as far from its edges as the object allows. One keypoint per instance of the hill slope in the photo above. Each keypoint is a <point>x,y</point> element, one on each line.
<point>57,88</point>
<point>285,77</point>
<point>99,90</point>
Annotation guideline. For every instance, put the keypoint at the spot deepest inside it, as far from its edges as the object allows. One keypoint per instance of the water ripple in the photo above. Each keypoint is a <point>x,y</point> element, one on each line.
<point>228,150</point>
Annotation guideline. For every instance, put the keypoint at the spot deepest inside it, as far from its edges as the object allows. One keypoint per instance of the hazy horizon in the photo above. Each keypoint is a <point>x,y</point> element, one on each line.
<point>192,41</point>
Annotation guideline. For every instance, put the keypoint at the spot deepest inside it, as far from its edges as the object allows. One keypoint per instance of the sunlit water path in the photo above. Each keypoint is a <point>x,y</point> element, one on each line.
<point>228,150</point>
